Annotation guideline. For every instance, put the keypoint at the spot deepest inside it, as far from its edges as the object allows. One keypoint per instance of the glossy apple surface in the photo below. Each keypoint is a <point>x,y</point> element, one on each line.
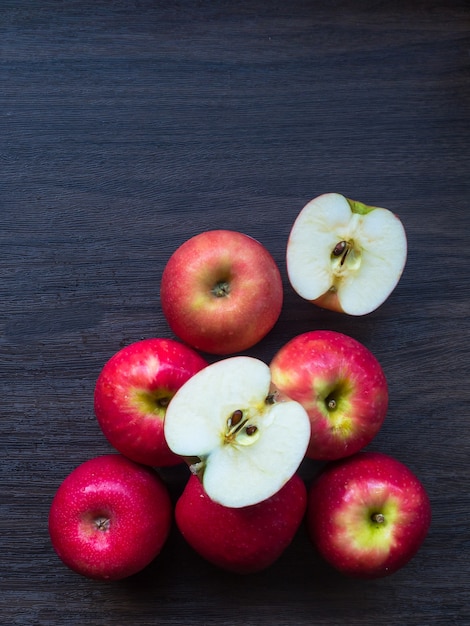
<point>133,392</point>
<point>368,514</point>
<point>341,385</point>
<point>242,540</point>
<point>221,292</point>
<point>110,518</point>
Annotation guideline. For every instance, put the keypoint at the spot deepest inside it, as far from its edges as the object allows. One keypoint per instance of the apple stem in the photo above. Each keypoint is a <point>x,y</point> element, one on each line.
<point>103,523</point>
<point>379,518</point>
<point>271,398</point>
<point>221,289</point>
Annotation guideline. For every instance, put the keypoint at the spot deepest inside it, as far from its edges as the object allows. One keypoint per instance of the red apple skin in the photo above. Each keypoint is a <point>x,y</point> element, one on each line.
<point>323,365</point>
<point>133,505</point>
<point>224,323</point>
<point>341,501</point>
<point>241,540</point>
<point>133,391</point>
<point>330,301</point>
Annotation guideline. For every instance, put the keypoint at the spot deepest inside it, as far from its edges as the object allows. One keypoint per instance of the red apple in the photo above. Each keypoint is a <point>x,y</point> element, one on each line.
<point>132,394</point>
<point>110,518</point>
<point>221,291</point>
<point>340,384</point>
<point>368,514</point>
<point>241,540</point>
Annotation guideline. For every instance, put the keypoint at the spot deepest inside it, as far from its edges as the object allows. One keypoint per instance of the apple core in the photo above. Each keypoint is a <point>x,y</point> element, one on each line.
<point>239,431</point>
<point>346,257</point>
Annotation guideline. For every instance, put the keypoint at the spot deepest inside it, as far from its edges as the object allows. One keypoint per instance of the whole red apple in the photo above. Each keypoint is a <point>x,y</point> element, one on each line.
<point>110,518</point>
<point>340,384</point>
<point>368,514</point>
<point>221,291</point>
<point>133,391</point>
<point>241,540</point>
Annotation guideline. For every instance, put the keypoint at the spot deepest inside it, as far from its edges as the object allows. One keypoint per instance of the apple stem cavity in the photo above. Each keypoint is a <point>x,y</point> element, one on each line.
<point>163,402</point>
<point>153,402</point>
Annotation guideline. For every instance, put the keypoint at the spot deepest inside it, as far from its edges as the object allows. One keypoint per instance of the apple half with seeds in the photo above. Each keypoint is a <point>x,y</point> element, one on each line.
<point>345,256</point>
<point>242,438</point>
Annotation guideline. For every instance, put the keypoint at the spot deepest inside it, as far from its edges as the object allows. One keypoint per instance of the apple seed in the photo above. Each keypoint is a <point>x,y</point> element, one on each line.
<point>235,418</point>
<point>250,430</point>
<point>339,248</point>
<point>342,250</point>
<point>234,425</point>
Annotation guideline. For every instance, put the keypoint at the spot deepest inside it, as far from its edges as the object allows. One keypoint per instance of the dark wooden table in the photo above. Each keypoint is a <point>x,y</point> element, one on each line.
<point>129,126</point>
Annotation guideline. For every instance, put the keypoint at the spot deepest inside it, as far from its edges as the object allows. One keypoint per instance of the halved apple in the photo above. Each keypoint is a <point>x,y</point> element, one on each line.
<point>345,256</point>
<point>241,437</point>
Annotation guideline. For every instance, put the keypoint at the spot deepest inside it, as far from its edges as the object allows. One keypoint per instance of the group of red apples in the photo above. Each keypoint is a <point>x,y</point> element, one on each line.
<point>244,427</point>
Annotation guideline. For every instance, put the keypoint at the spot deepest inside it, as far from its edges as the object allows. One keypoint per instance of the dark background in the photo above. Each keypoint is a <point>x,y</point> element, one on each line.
<point>125,128</point>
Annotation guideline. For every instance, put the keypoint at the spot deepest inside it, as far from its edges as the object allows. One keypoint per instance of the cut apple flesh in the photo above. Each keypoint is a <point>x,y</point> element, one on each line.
<point>345,256</point>
<point>242,439</point>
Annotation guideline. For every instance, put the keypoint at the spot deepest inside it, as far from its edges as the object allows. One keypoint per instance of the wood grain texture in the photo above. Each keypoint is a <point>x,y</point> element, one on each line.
<point>128,126</point>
